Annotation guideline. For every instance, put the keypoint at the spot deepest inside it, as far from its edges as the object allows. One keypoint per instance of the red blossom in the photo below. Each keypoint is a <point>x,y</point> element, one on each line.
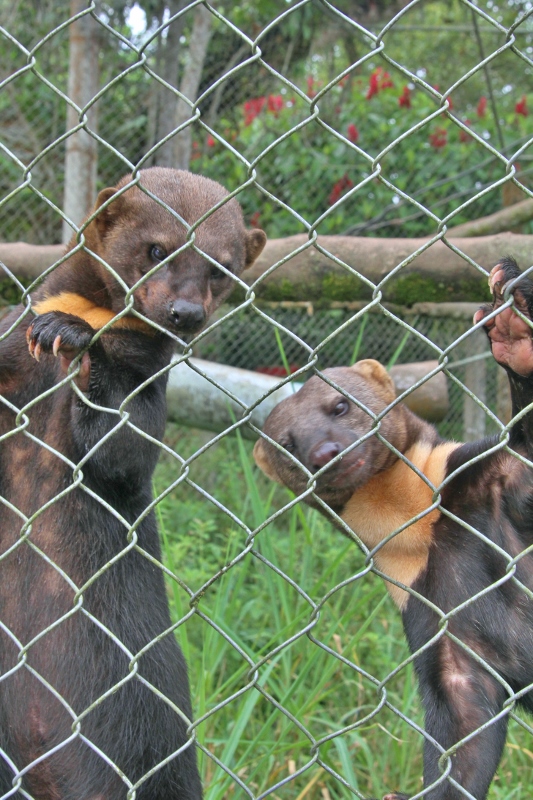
<point>404,100</point>
<point>463,135</point>
<point>339,188</point>
<point>254,219</point>
<point>252,108</point>
<point>373,86</point>
<point>353,133</point>
<point>210,141</point>
<point>310,86</point>
<point>274,103</point>
<point>439,137</point>
<point>482,106</point>
<point>386,83</point>
<point>521,106</point>
<point>378,80</point>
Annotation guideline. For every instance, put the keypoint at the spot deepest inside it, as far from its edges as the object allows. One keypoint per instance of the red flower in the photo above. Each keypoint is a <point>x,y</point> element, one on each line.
<point>252,108</point>
<point>386,83</point>
<point>521,107</point>
<point>481,106</point>
<point>404,101</point>
<point>339,188</point>
<point>353,133</point>
<point>373,86</point>
<point>439,138</point>
<point>210,141</point>
<point>274,103</point>
<point>463,135</point>
<point>378,80</point>
<point>254,219</point>
<point>310,86</point>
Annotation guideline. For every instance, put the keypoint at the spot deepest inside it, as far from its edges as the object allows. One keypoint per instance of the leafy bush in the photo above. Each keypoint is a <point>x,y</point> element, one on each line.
<point>312,164</point>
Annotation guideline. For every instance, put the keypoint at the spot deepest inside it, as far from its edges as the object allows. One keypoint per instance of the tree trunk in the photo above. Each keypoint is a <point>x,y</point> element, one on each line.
<point>200,35</point>
<point>169,50</point>
<point>81,148</point>
<point>216,96</point>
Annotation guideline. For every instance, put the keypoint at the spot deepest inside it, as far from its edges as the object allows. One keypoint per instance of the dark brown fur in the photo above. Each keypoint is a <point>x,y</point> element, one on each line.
<point>74,566</point>
<point>328,437</point>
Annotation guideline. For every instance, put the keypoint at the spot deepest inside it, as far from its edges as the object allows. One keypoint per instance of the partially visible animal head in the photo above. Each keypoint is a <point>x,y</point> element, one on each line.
<point>319,422</point>
<point>133,233</point>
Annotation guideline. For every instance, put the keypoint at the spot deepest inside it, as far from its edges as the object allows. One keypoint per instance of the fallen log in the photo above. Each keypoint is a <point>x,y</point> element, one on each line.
<point>437,274</point>
<point>194,400</point>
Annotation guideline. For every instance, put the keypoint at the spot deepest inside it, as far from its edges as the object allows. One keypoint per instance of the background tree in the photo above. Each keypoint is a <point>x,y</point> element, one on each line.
<point>262,100</point>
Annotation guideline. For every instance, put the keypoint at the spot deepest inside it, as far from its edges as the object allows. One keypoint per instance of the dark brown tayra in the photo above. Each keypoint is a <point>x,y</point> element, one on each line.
<point>98,663</point>
<point>375,493</point>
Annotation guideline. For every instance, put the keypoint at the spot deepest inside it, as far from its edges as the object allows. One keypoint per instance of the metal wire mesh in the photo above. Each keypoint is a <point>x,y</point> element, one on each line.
<point>302,684</point>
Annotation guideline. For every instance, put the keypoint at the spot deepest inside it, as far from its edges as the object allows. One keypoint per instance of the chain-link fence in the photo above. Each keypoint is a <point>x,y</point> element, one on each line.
<point>389,119</point>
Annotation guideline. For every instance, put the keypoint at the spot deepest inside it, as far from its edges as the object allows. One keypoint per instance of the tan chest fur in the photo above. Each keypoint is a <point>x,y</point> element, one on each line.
<point>95,316</point>
<point>391,499</point>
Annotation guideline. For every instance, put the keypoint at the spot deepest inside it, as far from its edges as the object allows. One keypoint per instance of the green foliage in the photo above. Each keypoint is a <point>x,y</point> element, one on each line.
<point>312,162</point>
<point>323,177</point>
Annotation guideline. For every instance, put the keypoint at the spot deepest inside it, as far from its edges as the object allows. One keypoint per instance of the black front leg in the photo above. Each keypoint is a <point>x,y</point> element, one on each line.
<point>110,371</point>
<point>65,336</point>
<point>511,343</point>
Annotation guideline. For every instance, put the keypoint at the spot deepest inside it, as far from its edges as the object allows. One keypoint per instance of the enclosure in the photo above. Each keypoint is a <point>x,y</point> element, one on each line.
<point>385,148</point>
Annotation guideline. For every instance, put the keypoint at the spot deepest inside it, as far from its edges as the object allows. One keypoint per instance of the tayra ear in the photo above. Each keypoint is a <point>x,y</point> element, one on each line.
<point>263,462</point>
<point>105,218</point>
<point>372,370</point>
<point>254,243</point>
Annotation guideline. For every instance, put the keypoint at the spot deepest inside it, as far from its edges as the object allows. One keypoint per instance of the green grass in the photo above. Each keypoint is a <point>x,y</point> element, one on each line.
<point>255,608</point>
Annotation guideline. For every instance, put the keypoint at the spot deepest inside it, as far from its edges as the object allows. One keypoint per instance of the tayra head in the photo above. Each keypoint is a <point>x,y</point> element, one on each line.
<point>148,227</point>
<point>320,426</point>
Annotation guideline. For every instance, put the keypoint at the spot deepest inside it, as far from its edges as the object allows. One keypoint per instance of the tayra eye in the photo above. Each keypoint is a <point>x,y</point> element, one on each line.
<point>341,408</point>
<point>288,445</point>
<point>216,274</point>
<point>157,253</point>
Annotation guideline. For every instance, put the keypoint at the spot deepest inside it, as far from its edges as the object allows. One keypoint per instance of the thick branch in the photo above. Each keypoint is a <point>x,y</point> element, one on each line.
<point>504,220</point>
<point>437,274</point>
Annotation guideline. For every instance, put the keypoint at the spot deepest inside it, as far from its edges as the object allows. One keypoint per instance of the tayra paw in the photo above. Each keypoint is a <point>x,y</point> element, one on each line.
<point>510,335</point>
<point>64,336</point>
